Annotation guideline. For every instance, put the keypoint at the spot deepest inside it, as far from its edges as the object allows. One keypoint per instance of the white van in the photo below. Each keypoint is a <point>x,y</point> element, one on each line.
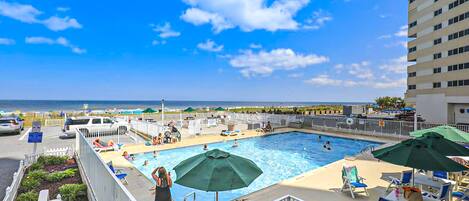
<point>87,125</point>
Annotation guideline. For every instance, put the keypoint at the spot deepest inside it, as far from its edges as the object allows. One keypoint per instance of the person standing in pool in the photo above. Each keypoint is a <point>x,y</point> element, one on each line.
<point>327,146</point>
<point>319,138</point>
<point>163,184</point>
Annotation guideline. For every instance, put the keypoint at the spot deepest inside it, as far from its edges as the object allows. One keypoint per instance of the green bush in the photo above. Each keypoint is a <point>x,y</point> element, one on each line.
<point>73,192</point>
<point>58,176</point>
<point>28,196</point>
<point>52,160</point>
<point>38,174</point>
<point>36,166</point>
<point>29,184</point>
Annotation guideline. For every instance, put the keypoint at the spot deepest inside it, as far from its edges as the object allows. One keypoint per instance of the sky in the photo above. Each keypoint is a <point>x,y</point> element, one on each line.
<point>233,50</point>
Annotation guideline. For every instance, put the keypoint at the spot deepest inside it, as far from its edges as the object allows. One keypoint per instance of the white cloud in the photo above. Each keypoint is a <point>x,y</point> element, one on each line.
<point>55,23</point>
<point>248,15</point>
<point>28,14</point>
<point>21,12</point>
<point>402,31</point>
<point>59,41</point>
<point>387,36</point>
<point>359,70</point>
<point>165,31</point>
<point>158,42</point>
<point>264,63</point>
<point>325,80</point>
<point>7,41</point>
<point>63,9</point>
<point>210,46</point>
<point>255,46</point>
<point>295,75</point>
<point>318,20</point>
<point>398,65</point>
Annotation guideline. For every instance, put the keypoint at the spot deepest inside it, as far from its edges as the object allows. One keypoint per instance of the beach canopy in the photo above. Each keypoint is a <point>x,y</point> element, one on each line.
<point>215,171</point>
<point>407,109</point>
<point>416,153</point>
<point>219,109</point>
<point>149,110</point>
<point>443,146</point>
<point>189,109</point>
<point>448,132</point>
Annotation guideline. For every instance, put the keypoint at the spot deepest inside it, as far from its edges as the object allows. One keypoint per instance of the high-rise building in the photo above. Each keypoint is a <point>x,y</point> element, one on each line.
<point>438,78</point>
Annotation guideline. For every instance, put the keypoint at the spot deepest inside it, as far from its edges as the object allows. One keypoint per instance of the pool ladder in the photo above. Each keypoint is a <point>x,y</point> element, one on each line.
<point>189,195</point>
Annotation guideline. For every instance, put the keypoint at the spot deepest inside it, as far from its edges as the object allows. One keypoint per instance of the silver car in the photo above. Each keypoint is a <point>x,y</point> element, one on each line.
<point>11,125</point>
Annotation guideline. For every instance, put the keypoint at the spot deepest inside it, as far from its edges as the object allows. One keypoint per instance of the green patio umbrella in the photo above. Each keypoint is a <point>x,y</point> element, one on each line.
<point>189,109</point>
<point>219,109</point>
<point>215,171</point>
<point>449,132</point>
<point>149,110</point>
<point>415,153</point>
<point>444,146</point>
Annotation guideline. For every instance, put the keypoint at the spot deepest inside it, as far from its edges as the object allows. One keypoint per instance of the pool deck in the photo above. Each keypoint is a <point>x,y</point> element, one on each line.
<point>323,183</point>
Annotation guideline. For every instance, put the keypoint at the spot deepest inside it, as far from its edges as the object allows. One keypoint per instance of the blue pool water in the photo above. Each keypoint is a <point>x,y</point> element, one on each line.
<point>280,157</point>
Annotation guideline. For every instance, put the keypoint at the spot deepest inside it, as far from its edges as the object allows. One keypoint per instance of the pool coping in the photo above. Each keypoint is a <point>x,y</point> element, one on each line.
<point>374,139</point>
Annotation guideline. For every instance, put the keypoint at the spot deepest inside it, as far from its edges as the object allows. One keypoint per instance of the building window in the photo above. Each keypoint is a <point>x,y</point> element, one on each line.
<point>437,41</point>
<point>458,34</point>
<point>456,3</point>
<point>458,83</point>
<point>459,50</point>
<point>436,85</point>
<point>412,74</point>
<point>458,18</point>
<point>411,87</point>
<point>437,70</point>
<point>436,27</point>
<point>437,55</point>
<point>412,49</point>
<point>437,12</point>
<point>413,24</point>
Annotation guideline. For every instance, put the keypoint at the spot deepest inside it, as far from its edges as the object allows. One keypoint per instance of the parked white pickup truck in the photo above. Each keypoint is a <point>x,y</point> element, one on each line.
<point>89,125</point>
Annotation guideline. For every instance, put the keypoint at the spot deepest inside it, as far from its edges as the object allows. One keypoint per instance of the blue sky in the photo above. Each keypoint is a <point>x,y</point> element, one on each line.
<point>252,50</point>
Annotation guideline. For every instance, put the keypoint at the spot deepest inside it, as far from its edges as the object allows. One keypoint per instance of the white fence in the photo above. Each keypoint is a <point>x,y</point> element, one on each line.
<point>275,119</point>
<point>32,158</point>
<point>11,190</point>
<point>102,182</point>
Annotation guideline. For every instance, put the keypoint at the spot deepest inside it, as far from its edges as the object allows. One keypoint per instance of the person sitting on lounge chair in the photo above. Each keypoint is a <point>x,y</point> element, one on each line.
<point>154,140</point>
<point>100,144</point>
<point>268,127</point>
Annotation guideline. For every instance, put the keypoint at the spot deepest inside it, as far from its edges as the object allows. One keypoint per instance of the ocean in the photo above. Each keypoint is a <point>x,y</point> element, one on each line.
<point>75,105</point>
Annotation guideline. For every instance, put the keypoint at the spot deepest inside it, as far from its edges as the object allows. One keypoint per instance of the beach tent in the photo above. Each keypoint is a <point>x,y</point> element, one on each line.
<point>216,171</point>
<point>189,109</point>
<point>449,132</point>
<point>149,110</point>
<point>219,109</point>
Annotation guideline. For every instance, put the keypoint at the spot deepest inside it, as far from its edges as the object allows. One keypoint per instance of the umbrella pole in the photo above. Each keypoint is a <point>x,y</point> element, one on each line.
<point>216,196</point>
<point>413,177</point>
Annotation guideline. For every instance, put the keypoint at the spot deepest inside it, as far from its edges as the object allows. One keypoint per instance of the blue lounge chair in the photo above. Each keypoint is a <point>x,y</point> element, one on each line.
<point>118,172</point>
<point>461,196</point>
<point>406,179</point>
<point>440,174</point>
<point>352,181</point>
<point>383,199</point>
<point>442,195</point>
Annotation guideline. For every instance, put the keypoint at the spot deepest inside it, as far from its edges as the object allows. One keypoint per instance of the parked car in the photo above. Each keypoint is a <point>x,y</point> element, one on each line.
<point>11,125</point>
<point>89,125</point>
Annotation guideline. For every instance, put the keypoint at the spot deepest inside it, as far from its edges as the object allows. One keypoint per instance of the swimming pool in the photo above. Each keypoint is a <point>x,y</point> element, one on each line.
<point>280,157</point>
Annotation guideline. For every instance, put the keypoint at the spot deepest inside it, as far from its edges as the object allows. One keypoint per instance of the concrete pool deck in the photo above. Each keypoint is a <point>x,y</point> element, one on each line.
<point>323,183</point>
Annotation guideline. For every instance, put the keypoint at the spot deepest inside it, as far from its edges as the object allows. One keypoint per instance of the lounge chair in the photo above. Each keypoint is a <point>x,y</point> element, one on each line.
<point>118,172</point>
<point>440,174</point>
<point>352,181</point>
<point>406,179</point>
<point>443,194</point>
<point>100,147</point>
<point>461,195</point>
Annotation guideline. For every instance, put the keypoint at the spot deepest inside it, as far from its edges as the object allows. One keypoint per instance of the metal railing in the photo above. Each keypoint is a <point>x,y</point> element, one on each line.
<point>102,182</point>
<point>54,122</point>
<point>11,191</point>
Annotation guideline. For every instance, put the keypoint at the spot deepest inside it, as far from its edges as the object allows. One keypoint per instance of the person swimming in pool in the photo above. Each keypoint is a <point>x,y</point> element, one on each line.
<point>155,154</point>
<point>235,144</point>
<point>327,146</point>
<point>319,138</point>
<point>145,163</point>
<point>205,147</point>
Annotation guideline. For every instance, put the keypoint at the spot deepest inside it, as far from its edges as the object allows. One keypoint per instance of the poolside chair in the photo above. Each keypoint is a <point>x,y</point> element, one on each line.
<point>440,174</point>
<point>461,195</point>
<point>443,194</point>
<point>352,181</point>
<point>406,179</point>
<point>383,199</point>
<point>118,172</point>
<point>101,147</point>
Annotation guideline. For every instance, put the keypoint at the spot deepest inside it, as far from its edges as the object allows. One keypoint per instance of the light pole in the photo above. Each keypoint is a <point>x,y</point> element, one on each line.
<point>162,111</point>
